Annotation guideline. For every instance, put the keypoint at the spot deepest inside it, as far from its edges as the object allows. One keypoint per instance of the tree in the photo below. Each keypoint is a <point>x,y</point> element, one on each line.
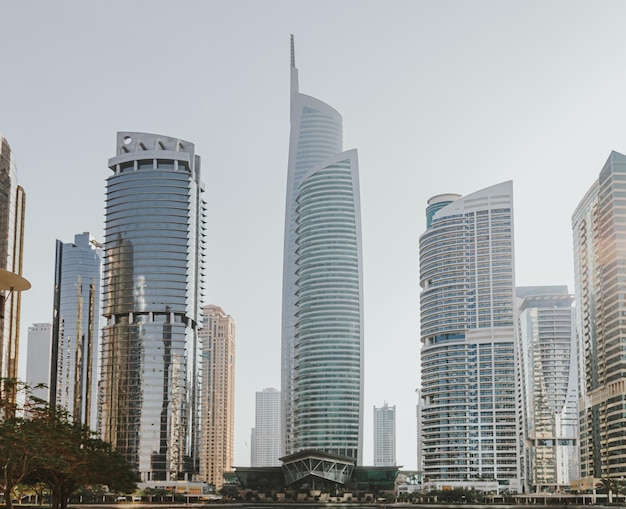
<point>41,444</point>
<point>20,437</point>
<point>75,458</point>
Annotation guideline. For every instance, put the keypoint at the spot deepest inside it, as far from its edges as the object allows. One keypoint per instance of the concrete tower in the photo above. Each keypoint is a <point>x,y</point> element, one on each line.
<point>470,422</point>
<point>385,436</point>
<point>266,433</point>
<point>217,396</point>
<point>12,206</point>
<point>38,358</point>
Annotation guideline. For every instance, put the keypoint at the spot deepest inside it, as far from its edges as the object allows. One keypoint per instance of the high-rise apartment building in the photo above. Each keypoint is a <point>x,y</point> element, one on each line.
<point>549,381</point>
<point>599,229</point>
<point>76,328</point>
<point>152,288</point>
<point>12,205</point>
<point>385,436</point>
<point>265,443</point>
<point>470,422</point>
<point>322,333</point>
<point>217,395</point>
<point>38,359</point>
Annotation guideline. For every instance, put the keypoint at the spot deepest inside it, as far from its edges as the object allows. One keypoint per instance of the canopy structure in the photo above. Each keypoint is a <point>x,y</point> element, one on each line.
<point>316,465</point>
<point>11,281</point>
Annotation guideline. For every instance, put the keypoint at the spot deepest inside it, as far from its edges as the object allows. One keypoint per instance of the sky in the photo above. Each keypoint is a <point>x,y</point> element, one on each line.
<point>438,96</point>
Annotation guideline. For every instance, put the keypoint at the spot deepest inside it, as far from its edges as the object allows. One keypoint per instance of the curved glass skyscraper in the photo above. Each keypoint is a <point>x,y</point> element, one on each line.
<point>470,423</point>
<point>322,335</point>
<point>154,256</point>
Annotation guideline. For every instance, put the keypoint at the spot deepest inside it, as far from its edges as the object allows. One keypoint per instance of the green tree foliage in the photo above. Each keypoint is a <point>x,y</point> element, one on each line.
<point>20,436</point>
<point>39,445</point>
<point>76,458</point>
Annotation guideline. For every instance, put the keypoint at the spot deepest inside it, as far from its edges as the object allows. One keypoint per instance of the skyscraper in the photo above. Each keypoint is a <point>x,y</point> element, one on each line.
<point>38,358</point>
<point>322,334</point>
<point>469,340</point>
<point>265,443</point>
<point>152,289</point>
<point>76,328</point>
<point>549,380</point>
<point>599,228</point>
<point>12,206</point>
<point>385,436</point>
<point>217,395</point>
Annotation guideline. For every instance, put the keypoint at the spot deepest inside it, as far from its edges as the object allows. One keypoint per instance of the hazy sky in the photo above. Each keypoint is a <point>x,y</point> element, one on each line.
<point>438,96</point>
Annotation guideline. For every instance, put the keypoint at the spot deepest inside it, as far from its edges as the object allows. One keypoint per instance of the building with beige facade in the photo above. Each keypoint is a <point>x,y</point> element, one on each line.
<point>12,206</point>
<point>217,398</point>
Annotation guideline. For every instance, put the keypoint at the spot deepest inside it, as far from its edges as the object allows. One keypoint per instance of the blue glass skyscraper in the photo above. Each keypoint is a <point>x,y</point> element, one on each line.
<point>154,262</point>
<point>75,328</point>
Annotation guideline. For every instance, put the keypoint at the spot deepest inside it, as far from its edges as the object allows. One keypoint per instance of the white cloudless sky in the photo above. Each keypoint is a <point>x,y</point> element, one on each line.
<point>437,96</point>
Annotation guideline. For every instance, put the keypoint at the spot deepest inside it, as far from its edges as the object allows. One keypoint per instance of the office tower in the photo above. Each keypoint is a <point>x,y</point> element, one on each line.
<point>549,381</point>
<point>217,396</point>
<point>322,334</point>
<point>152,286</point>
<point>75,328</point>
<point>266,432</point>
<point>468,332</point>
<point>418,419</point>
<point>385,436</point>
<point>599,226</point>
<point>38,359</point>
<point>12,204</point>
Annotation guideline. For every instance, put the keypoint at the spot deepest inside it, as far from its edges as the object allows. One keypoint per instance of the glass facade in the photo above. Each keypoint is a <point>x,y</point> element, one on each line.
<point>152,289</point>
<point>317,170</point>
<point>599,228</point>
<point>76,328</point>
<point>12,206</point>
<point>549,380</point>
<point>328,344</point>
<point>470,421</point>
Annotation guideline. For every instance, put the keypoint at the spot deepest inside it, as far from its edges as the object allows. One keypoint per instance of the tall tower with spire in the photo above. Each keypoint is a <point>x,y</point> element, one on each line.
<point>322,333</point>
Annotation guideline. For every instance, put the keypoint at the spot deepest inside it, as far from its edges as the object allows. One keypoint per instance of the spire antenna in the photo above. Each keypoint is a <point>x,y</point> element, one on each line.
<point>293,52</point>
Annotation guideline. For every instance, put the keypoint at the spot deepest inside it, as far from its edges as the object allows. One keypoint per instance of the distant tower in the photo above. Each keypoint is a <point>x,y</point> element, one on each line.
<point>385,436</point>
<point>549,379</point>
<point>418,418</point>
<point>322,332</point>
<point>12,206</point>
<point>152,289</point>
<point>599,228</point>
<point>470,421</point>
<point>217,396</point>
<point>266,445</point>
<point>76,328</point>
<point>38,358</point>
